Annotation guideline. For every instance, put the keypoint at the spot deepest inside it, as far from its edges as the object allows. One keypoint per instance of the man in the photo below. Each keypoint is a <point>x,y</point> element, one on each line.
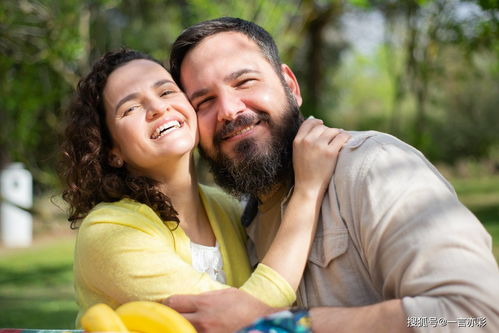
<point>394,250</point>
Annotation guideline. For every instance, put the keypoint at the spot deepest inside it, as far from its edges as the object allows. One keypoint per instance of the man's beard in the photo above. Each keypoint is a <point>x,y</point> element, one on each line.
<point>255,170</point>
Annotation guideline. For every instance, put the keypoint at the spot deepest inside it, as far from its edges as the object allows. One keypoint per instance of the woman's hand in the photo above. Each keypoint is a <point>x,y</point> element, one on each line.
<point>315,152</point>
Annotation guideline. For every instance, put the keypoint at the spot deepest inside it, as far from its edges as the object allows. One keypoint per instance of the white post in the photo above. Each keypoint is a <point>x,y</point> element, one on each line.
<point>16,188</point>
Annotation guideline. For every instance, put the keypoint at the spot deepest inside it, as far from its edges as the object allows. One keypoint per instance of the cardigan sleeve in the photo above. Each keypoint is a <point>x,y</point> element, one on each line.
<point>264,283</point>
<point>124,252</point>
<point>126,256</point>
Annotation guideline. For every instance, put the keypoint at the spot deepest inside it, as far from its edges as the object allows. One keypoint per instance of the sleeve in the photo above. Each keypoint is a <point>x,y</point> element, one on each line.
<point>264,283</point>
<point>269,287</point>
<point>129,256</point>
<point>420,243</point>
<point>130,260</point>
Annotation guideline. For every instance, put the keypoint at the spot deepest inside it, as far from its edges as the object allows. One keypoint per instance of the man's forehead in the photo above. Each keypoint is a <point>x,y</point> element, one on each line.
<point>223,45</point>
<point>220,54</point>
<point>227,39</point>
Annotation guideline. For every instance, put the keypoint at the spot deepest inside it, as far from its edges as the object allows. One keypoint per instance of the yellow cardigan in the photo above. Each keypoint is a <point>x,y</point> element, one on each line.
<point>125,252</point>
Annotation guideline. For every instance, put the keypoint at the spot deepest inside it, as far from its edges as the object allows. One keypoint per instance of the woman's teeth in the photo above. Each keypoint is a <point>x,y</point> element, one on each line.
<point>165,129</point>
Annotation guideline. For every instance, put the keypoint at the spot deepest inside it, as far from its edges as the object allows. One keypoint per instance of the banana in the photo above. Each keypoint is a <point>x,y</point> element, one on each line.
<point>152,317</point>
<point>101,318</point>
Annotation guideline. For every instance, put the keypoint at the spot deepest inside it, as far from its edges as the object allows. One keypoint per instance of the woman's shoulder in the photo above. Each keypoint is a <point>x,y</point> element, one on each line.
<point>124,210</point>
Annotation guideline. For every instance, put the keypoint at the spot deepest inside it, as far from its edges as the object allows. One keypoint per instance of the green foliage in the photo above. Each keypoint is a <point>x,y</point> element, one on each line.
<point>359,3</point>
<point>432,82</point>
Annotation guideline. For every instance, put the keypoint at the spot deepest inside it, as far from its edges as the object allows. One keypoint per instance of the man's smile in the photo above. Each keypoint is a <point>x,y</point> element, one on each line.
<point>237,134</point>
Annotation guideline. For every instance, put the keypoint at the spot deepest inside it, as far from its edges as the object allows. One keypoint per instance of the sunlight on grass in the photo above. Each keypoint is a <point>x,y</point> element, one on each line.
<point>36,286</point>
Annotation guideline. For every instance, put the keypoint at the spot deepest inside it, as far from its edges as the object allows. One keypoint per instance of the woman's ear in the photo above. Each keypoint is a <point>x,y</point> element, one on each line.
<point>292,83</point>
<point>114,159</point>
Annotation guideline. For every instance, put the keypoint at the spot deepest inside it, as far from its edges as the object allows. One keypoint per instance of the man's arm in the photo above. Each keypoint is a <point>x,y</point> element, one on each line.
<point>224,310</point>
<point>231,309</point>
<point>387,316</point>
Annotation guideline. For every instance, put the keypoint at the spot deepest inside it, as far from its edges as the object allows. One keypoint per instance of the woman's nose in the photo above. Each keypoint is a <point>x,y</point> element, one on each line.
<point>156,110</point>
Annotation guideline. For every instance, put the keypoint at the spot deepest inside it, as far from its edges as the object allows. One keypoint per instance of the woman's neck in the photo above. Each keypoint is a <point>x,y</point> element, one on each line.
<point>181,186</point>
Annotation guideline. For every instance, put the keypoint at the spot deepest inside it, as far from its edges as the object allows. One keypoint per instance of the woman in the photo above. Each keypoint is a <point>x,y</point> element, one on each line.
<point>148,229</point>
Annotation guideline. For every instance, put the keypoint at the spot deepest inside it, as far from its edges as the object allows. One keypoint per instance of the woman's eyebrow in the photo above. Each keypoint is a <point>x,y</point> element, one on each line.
<point>134,95</point>
<point>162,82</point>
<point>124,100</point>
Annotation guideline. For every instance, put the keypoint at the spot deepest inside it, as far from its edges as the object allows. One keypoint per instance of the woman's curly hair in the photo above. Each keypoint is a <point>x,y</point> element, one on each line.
<point>89,177</point>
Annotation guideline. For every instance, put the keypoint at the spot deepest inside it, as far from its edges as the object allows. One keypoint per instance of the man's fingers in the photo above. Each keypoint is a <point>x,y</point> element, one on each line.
<point>181,303</point>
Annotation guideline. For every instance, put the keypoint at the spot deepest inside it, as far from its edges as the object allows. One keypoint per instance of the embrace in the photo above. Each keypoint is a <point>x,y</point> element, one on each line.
<point>357,229</point>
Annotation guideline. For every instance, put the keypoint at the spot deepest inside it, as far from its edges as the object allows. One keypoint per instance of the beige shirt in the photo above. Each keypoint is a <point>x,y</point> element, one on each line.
<point>392,227</point>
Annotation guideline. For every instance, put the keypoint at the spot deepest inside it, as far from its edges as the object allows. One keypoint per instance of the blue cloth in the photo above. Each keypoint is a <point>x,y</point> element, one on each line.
<point>289,321</point>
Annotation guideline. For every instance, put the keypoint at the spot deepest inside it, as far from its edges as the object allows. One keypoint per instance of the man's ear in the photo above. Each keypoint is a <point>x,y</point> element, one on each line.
<point>114,158</point>
<point>292,83</point>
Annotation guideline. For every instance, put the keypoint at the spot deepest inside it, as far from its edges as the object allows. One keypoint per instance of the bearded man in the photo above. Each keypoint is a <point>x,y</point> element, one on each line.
<point>394,247</point>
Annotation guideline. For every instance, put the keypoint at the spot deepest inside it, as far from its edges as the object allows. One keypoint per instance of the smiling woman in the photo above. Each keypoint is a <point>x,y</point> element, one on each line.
<point>144,221</point>
<point>152,124</point>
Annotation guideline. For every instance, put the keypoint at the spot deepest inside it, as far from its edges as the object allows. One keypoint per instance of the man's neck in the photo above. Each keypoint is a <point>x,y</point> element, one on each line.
<point>269,194</point>
<point>276,194</point>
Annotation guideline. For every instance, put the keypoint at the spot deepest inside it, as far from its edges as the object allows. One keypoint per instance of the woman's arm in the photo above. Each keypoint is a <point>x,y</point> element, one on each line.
<point>315,151</point>
<point>127,255</point>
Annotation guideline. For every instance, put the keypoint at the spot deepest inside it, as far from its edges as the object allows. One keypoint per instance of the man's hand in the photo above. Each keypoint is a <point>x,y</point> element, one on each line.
<point>225,310</point>
<point>386,317</point>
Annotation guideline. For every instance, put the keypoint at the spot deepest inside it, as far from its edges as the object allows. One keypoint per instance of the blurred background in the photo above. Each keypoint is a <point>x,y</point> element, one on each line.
<point>425,71</point>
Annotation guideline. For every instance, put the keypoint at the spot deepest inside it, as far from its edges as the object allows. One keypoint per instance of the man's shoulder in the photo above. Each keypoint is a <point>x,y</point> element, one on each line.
<point>371,139</point>
<point>367,150</point>
<point>364,145</point>
<point>377,154</point>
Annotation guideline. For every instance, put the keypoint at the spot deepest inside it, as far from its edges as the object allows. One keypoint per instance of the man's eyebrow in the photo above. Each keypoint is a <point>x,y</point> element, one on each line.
<point>231,77</point>
<point>235,75</point>
<point>134,95</point>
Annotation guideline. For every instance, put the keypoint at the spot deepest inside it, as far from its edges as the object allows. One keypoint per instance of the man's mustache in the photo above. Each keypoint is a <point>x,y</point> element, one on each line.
<point>242,121</point>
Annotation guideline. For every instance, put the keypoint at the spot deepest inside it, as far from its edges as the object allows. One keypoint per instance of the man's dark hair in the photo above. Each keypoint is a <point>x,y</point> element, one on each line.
<point>193,35</point>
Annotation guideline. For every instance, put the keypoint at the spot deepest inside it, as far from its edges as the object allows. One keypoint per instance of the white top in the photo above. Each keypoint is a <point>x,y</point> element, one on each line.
<point>208,259</point>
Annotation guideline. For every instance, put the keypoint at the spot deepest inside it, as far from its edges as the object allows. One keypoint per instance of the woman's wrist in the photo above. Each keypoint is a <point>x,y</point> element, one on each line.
<point>308,193</point>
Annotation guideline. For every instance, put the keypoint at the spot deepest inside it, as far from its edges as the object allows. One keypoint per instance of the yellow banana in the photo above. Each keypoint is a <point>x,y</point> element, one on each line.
<point>101,318</point>
<point>152,317</point>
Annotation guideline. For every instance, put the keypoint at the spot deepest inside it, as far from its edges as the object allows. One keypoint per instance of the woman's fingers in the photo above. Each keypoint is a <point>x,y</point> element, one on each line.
<point>306,127</point>
<point>315,152</point>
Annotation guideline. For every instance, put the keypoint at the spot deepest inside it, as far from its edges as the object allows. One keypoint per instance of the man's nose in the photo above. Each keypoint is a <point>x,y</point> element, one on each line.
<point>229,106</point>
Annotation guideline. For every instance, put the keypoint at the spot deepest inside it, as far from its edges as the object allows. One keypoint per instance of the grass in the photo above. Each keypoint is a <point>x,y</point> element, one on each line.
<point>36,286</point>
<point>481,196</point>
